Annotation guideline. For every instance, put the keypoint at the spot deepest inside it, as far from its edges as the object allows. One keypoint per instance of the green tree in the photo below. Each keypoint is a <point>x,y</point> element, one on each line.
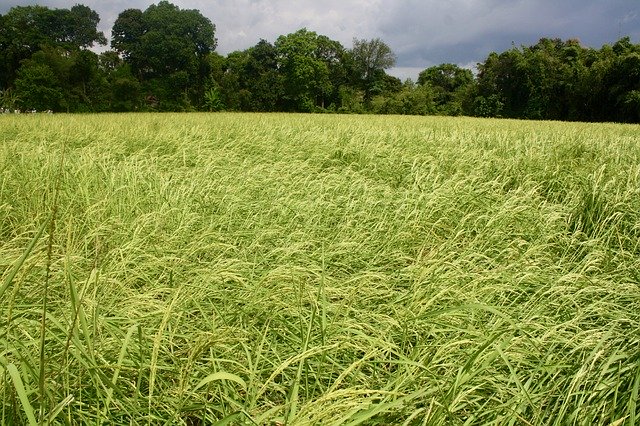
<point>621,82</point>
<point>562,80</point>
<point>213,99</point>
<point>37,87</point>
<point>553,69</point>
<point>126,37</point>
<point>307,62</point>
<point>8,99</point>
<point>502,84</point>
<point>24,30</point>
<point>451,86</point>
<point>448,77</point>
<point>82,83</point>
<point>167,49</point>
<point>411,99</point>
<point>231,81</point>
<point>262,78</point>
<point>126,91</point>
<point>79,28</point>
<point>370,60</point>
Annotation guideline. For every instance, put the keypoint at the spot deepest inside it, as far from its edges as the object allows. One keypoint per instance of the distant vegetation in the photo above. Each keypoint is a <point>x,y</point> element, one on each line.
<point>270,269</point>
<point>164,59</point>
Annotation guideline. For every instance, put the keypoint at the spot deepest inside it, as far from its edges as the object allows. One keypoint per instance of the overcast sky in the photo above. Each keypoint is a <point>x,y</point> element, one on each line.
<point>421,33</point>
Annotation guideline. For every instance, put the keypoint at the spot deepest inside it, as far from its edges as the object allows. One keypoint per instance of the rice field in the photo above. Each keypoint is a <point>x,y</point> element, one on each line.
<point>272,269</point>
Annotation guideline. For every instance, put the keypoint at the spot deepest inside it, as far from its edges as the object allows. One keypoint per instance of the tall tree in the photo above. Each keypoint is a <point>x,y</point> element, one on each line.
<point>262,78</point>
<point>448,77</point>
<point>24,30</point>
<point>370,59</point>
<point>80,25</point>
<point>306,61</point>
<point>38,88</point>
<point>126,36</point>
<point>562,80</point>
<point>70,81</point>
<point>622,82</point>
<point>450,85</point>
<point>553,69</point>
<point>502,85</point>
<point>167,49</point>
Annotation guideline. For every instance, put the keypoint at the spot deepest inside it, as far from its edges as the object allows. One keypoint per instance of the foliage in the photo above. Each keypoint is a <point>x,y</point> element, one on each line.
<point>164,59</point>
<point>370,59</point>
<point>167,50</point>
<point>450,86</point>
<point>306,60</point>
<point>8,100</point>
<point>562,80</point>
<point>24,30</point>
<point>163,39</point>
<point>212,99</point>
<point>410,100</point>
<point>249,80</point>
<point>37,88</point>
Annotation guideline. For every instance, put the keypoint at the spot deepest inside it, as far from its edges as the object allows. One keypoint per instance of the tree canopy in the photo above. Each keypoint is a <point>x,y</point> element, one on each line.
<point>25,30</point>
<point>370,59</point>
<point>163,58</point>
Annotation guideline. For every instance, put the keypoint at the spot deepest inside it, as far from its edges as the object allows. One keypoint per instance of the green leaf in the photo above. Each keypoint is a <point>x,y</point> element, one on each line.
<point>220,375</point>
<point>22,394</point>
<point>23,258</point>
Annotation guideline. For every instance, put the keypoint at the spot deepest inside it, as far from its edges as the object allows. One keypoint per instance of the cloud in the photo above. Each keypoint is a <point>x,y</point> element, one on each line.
<point>269,19</point>
<point>465,30</point>
<point>421,32</point>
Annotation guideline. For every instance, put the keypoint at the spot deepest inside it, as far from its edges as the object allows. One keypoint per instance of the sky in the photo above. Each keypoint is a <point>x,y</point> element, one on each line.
<point>421,33</point>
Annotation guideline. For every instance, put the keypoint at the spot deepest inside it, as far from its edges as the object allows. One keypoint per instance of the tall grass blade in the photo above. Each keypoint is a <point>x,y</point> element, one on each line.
<point>633,400</point>
<point>22,394</point>
<point>16,267</point>
<point>59,407</point>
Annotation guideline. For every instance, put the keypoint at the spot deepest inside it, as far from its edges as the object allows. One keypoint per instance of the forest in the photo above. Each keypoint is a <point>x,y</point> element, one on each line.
<point>164,59</point>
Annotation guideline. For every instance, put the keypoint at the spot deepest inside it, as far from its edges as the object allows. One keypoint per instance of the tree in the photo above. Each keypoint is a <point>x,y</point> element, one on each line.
<point>502,84</point>
<point>448,77</point>
<point>79,28</point>
<point>163,39</point>
<point>228,74</point>
<point>621,81</point>
<point>262,78</point>
<point>370,59</point>
<point>553,70</point>
<point>562,80</point>
<point>24,30</point>
<point>37,87</point>
<point>126,93</point>
<point>212,99</point>
<point>126,36</point>
<point>307,62</point>
<point>450,85</point>
<point>87,82</point>
<point>167,49</point>
<point>410,99</point>
<point>77,76</point>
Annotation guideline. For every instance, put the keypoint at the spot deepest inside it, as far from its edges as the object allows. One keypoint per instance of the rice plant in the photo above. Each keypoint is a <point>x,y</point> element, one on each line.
<point>317,269</point>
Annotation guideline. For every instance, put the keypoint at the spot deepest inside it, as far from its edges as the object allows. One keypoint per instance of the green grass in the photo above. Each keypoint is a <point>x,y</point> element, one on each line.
<point>315,269</point>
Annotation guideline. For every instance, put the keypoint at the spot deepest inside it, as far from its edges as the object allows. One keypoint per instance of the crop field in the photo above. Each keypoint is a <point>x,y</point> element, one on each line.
<point>271,269</point>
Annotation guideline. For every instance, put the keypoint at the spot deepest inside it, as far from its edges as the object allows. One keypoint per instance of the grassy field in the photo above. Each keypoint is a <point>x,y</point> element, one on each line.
<point>316,269</point>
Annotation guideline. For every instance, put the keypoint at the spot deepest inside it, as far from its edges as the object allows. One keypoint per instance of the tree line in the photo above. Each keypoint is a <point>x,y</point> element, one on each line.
<point>164,59</point>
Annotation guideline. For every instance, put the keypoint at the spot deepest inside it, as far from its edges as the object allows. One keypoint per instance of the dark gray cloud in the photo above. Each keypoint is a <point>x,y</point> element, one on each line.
<point>464,32</point>
<point>421,32</point>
